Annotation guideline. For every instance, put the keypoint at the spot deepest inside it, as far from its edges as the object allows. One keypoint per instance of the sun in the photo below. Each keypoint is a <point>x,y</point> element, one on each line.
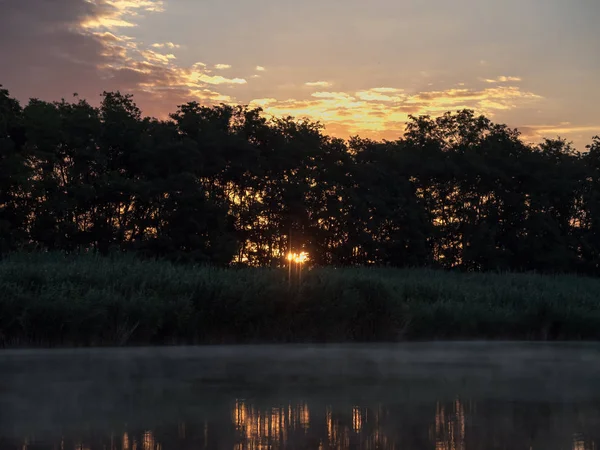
<point>298,258</point>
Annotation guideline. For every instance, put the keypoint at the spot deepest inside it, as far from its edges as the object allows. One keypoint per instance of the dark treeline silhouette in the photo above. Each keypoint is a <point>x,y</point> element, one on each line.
<point>225,186</point>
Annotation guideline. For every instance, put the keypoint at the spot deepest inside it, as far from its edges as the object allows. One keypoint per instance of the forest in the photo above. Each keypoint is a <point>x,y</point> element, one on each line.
<point>119,229</point>
<point>225,186</point>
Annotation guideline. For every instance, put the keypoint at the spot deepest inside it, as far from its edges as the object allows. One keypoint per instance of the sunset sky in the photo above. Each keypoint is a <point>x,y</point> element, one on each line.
<point>359,66</point>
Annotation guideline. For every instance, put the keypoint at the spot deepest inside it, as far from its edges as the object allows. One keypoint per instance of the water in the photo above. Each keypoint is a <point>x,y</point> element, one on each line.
<point>410,396</point>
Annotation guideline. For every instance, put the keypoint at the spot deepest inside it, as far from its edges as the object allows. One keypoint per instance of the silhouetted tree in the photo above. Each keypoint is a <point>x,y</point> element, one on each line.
<point>15,175</point>
<point>224,185</point>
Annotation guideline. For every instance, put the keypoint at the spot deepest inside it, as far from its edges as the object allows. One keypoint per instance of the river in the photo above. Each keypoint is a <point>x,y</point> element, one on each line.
<point>439,396</point>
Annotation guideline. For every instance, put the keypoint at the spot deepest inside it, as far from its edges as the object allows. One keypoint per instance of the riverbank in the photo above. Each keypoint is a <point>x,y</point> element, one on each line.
<point>52,300</point>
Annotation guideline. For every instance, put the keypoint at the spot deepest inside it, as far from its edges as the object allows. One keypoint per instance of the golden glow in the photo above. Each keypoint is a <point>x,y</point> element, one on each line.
<point>376,111</point>
<point>449,431</point>
<point>165,45</point>
<point>318,84</point>
<point>379,112</point>
<point>118,12</point>
<point>298,258</point>
<point>267,429</point>
<point>502,79</point>
<point>356,419</point>
<point>148,441</point>
<point>288,425</point>
<point>382,112</point>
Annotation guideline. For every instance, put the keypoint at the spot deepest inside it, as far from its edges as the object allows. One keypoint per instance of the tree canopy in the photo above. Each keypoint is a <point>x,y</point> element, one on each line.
<point>223,185</point>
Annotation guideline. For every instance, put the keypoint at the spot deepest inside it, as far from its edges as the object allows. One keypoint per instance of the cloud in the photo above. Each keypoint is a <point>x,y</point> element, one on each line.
<point>200,77</point>
<point>485,100</point>
<point>155,57</point>
<point>46,49</point>
<point>342,96</point>
<point>169,45</point>
<point>262,102</point>
<point>580,134</point>
<point>52,49</point>
<point>222,66</point>
<point>386,90</point>
<point>318,84</point>
<point>382,112</point>
<point>502,79</point>
<point>113,14</point>
<point>381,94</point>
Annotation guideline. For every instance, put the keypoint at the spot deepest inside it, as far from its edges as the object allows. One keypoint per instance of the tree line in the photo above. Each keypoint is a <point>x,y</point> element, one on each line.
<point>224,185</point>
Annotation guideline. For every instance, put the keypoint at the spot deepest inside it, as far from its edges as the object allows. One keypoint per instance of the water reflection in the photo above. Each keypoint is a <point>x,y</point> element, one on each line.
<point>451,426</point>
<point>268,428</point>
<point>371,398</point>
<point>580,443</point>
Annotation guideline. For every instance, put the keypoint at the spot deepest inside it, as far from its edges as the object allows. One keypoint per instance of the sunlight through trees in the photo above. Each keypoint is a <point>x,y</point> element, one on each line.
<point>225,186</point>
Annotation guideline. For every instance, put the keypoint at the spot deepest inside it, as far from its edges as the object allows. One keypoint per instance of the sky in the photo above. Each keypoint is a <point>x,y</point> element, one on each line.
<point>360,67</point>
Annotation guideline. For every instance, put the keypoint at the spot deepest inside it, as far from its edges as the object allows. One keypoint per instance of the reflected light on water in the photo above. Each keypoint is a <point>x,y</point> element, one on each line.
<point>449,427</point>
<point>266,429</point>
<point>580,443</point>
<point>356,419</point>
<point>298,424</point>
<point>148,442</point>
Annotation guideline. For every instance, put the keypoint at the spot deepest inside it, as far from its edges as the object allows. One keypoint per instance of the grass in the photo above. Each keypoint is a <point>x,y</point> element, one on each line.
<point>86,300</point>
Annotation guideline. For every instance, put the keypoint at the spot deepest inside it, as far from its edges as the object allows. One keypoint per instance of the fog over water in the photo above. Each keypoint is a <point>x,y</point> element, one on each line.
<point>404,396</point>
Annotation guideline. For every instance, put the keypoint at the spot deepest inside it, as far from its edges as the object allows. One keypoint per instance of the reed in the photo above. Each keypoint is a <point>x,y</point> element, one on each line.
<point>87,300</point>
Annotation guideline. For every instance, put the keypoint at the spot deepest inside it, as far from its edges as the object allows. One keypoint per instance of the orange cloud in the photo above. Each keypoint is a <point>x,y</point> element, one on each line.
<point>148,71</point>
<point>386,90</point>
<point>160,81</point>
<point>149,55</point>
<point>502,79</point>
<point>193,77</point>
<point>579,134</point>
<point>120,13</point>
<point>318,84</point>
<point>166,45</point>
<point>381,94</point>
<point>382,112</point>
